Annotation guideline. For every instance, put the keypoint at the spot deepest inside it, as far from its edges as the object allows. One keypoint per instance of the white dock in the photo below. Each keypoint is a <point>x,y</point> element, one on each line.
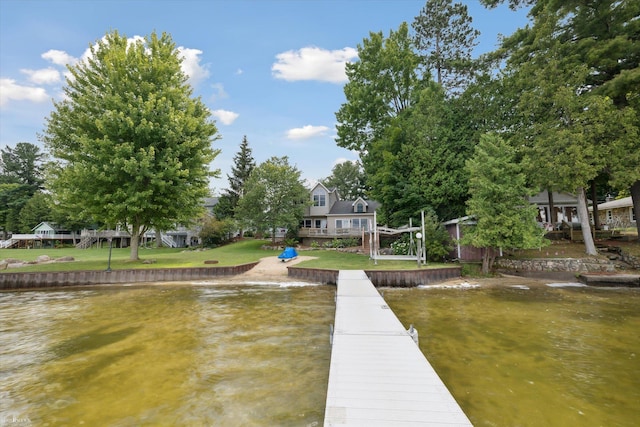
<point>378,375</point>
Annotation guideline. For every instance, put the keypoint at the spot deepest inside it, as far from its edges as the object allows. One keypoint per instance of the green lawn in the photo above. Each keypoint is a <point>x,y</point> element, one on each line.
<point>234,254</point>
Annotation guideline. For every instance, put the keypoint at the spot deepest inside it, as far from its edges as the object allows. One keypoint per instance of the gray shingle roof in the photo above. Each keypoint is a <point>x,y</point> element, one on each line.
<point>345,207</point>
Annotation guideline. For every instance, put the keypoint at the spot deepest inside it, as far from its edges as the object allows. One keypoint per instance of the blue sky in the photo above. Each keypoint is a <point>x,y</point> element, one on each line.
<point>272,70</point>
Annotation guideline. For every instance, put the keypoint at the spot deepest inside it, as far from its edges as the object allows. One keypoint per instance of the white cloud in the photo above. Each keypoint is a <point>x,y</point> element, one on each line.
<point>313,63</point>
<point>226,117</point>
<point>218,92</point>
<point>306,132</point>
<point>340,160</point>
<point>45,76</point>
<point>239,71</point>
<point>10,91</point>
<point>59,57</point>
<point>191,65</point>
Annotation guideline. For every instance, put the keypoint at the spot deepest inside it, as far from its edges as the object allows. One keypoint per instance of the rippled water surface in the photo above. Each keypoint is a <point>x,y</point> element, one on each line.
<point>162,355</point>
<point>258,355</point>
<point>532,357</point>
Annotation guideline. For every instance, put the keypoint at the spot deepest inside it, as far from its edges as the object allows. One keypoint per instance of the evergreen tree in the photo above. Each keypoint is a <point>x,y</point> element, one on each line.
<point>21,176</point>
<point>446,38</point>
<point>498,202</point>
<point>22,164</point>
<point>598,41</point>
<point>244,164</point>
<point>240,172</point>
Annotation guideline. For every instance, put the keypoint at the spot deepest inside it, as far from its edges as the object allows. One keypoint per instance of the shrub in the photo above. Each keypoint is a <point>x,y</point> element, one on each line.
<point>215,231</point>
<point>290,242</point>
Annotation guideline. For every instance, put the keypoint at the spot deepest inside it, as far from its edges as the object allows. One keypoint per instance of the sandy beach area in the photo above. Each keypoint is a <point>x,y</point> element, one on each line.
<point>272,269</point>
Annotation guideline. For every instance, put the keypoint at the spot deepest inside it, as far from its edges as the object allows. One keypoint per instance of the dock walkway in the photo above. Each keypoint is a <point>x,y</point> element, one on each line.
<point>378,375</point>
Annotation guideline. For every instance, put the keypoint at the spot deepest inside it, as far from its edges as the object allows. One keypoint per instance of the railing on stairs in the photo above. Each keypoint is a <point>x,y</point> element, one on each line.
<point>86,242</point>
<point>168,241</point>
<point>6,244</point>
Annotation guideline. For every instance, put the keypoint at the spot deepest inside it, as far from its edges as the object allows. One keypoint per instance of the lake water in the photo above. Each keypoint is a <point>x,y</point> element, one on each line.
<point>258,354</point>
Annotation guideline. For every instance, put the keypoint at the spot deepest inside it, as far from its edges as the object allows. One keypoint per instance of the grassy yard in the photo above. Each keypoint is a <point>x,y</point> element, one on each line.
<point>234,254</point>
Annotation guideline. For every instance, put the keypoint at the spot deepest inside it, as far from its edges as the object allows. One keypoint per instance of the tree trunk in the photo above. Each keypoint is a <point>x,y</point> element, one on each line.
<point>158,239</point>
<point>135,241</point>
<point>594,201</point>
<point>635,197</point>
<point>486,260</point>
<point>273,236</point>
<point>553,216</point>
<point>583,213</point>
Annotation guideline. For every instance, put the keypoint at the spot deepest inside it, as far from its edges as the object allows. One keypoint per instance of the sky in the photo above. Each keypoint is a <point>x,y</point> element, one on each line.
<point>270,70</point>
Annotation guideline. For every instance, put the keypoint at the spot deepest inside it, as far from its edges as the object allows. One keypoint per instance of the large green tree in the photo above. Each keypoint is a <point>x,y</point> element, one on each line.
<point>348,178</point>
<point>498,202</point>
<point>133,145</point>
<point>420,161</point>
<point>380,86</point>
<point>445,39</point>
<point>275,197</point>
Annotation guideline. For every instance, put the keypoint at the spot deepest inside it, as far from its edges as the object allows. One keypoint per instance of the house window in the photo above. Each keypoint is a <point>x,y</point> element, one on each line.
<point>318,223</point>
<point>342,223</point>
<point>360,223</point>
<point>609,216</point>
<point>319,199</point>
<point>360,208</point>
<point>305,223</point>
<point>633,215</point>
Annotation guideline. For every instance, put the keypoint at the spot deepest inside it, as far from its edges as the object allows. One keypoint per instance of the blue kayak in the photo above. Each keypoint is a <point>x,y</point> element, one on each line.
<point>288,254</point>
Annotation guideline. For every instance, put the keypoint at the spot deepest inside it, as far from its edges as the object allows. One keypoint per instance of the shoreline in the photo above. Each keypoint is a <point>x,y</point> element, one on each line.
<point>271,270</point>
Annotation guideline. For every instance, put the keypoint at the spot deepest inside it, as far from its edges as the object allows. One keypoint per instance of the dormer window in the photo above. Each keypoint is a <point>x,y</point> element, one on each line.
<point>319,198</point>
<point>360,208</point>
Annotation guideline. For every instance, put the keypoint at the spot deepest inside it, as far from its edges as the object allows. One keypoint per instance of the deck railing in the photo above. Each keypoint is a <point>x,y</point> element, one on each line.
<point>325,232</point>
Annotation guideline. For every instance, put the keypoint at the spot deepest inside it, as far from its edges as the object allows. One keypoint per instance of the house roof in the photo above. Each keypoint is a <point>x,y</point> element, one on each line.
<point>211,201</point>
<point>461,220</point>
<point>625,202</point>
<point>559,198</point>
<point>345,207</point>
<point>47,225</point>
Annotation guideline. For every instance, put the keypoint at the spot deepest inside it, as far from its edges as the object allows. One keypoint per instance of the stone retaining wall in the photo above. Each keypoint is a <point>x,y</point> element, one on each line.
<point>80,278</point>
<point>556,264</point>
<point>398,278</point>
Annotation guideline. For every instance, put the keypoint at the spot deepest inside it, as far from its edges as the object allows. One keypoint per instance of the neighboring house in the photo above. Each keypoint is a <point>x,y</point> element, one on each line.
<point>565,206</point>
<point>43,235</point>
<point>616,213</point>
<point>329,217</point>
<point>209,204</point>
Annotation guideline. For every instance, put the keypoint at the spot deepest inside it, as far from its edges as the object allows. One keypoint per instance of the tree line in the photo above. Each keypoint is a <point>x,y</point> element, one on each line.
<point>555,107</point>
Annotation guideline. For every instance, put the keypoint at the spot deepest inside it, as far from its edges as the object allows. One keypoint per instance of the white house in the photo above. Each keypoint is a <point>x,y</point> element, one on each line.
<point>329,217</point>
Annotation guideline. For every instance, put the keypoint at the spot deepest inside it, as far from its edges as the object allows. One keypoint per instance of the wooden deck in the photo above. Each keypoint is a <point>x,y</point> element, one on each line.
<point>378,375</point>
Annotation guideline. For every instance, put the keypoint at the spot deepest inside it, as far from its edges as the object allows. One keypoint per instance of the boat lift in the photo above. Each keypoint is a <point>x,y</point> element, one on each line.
<point>417,246</point>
